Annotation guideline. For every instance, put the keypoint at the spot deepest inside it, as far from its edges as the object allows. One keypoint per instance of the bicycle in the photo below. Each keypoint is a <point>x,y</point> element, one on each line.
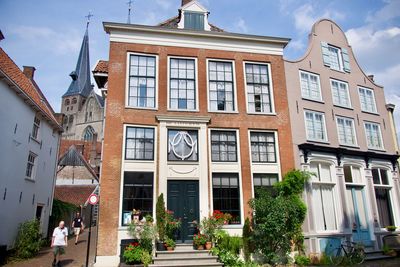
<point>353,253</point>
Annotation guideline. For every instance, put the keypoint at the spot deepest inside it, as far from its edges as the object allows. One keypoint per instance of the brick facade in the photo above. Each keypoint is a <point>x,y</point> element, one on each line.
<point>117,115</point>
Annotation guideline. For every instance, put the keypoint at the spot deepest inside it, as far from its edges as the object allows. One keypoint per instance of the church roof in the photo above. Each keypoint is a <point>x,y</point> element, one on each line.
<point>73,158</point>
<point>26,88</point>
<point>80,84</point>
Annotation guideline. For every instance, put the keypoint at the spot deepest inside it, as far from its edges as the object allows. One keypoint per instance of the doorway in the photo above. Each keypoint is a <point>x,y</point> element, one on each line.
<point>183,200</point>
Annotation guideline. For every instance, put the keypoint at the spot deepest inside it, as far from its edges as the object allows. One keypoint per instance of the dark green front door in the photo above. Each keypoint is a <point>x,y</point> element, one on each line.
<point>183,200</point>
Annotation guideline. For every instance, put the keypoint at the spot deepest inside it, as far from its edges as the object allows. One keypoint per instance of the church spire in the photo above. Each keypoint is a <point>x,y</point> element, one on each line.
<point>80,84</point>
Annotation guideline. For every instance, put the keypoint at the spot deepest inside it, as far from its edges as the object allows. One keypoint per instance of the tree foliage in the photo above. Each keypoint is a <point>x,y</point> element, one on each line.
<point>278,218</point>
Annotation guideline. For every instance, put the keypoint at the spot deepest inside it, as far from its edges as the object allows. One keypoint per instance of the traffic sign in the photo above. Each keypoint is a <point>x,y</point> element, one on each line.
<point>93,199</point>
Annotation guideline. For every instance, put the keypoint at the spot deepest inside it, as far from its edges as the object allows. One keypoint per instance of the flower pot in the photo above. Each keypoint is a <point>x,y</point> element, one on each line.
<point>208,245</point>
<point>170,248</point>
<point>200,247</point>
<point>160,246</point>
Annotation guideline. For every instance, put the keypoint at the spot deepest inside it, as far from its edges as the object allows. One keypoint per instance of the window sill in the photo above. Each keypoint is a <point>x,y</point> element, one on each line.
<point>30,180</point>
<point>370,112</point>
<point>182,110</point>
<point>223,112</point>
<point>139,161</point>
<point>264,163</point>
<point>141,108</point>
<point>225,162</point>
<point>182,162</point>
<point>340,106</point>
<point>340,71</point>
<point>262,113</point>
<point>36,140</point>
<point>313,100</point>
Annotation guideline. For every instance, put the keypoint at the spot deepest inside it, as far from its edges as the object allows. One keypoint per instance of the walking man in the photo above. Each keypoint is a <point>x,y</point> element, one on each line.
<point>77,225</point>
<point>58,242</point>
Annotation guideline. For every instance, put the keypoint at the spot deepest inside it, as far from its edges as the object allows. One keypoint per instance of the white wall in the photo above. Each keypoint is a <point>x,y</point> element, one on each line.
<point>16,120</point>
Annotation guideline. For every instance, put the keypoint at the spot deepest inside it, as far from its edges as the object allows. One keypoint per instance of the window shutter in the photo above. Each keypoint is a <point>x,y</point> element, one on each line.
<point>346,60</point>
<point>325,54</point>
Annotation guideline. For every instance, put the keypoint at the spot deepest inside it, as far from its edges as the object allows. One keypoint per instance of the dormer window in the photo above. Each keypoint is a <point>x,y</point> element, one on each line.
<point>193,16</point>
<point>194,20</point>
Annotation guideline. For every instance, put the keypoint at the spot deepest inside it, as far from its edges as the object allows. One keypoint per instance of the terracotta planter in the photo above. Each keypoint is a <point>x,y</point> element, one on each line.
<point>208,245</point>
<point>170,248</point>
<point>200,247</point>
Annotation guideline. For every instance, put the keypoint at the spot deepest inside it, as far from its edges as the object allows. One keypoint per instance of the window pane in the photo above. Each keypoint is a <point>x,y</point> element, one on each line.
<point>257,84</point>
<point>226,195</point>
<point>263,148</point>
<point>384,206</point>
<point>142,81</point>
<point>182,84</point>
<point>220,80</point>
<point>223,146</point>
<point>182,145</point>
<point>139,143</point>
<point>137,194</point>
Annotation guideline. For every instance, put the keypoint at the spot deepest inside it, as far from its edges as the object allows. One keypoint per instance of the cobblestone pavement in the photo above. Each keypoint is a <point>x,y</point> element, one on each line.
<point>75,255</point>
<point>383,263</point>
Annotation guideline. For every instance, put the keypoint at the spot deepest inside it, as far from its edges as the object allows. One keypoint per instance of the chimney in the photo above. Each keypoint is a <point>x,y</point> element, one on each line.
<point>185,2</point>
<point>29,72</point>
<point>1,36</point>
<point>371,77</point>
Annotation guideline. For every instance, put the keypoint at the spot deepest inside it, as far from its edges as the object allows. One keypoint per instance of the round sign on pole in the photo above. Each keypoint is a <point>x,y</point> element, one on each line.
<point>93,199</point>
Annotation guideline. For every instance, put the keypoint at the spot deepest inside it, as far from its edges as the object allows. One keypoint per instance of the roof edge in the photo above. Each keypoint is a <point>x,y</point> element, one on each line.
<point>109,26</point>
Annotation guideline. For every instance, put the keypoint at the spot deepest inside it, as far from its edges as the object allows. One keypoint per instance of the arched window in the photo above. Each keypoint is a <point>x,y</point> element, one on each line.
<point>71,119</point>
<point>66,102</point>
<point>74,100</point>
<point>88,133</point>
<point>65,120</point>
<point>89,109</point>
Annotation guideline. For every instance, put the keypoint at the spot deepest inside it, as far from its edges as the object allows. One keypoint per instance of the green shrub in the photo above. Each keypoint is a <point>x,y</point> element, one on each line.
<point>146,258</point>
<point>145,233</point>
<point>160,217</point>
<point>228,258</point>
<point>133,253</point>
<point>278,219</point>
<point>247,242</point>
<point>29,240</point>
<point>302,260</point>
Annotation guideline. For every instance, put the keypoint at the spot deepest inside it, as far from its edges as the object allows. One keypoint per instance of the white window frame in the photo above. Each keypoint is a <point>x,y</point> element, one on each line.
<point>36,125</point>
<point>380,135</point>
<point>326,139</point>
<point>340,58</point>
<point>375,111</point>
<point>235,102</point>
<point>347,93</point>
<point>353,129</point>
<point>156,91</point>
<point>196,83</point>
<point>270,85</point>
<point>319,86</point>
<point>126,126</point>
<point>34,164</point>
<point>334,184</point>
<point>277,156</point>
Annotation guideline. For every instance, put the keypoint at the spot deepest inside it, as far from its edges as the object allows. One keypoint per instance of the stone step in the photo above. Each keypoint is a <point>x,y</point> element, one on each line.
<point>376,255</point>
<point>186,260</point>
<point>185,247</point>
<point>188,265</point>
<point>182,253</point>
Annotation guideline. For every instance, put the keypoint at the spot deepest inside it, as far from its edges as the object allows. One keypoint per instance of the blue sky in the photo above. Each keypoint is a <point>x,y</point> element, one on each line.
<point>47,33</point>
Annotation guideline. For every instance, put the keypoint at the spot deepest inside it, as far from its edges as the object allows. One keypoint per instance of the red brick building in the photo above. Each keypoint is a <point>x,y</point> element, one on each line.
<point>193,112</point>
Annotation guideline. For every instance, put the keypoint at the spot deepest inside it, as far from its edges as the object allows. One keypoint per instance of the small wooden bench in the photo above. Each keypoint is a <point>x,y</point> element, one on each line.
<point>392,241</point>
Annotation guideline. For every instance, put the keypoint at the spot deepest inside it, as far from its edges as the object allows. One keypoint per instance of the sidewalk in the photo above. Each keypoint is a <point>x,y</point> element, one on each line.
<point>75,255</point>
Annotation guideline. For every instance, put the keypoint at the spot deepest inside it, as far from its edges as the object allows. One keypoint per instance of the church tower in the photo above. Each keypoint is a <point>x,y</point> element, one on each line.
<point>78,91</point>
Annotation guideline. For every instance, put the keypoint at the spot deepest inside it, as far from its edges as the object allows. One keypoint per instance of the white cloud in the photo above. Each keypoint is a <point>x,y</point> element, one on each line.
<point>241,25</point>
<point>306,15</point>
<point>389,11</point>
<point>165,4</point>
<point>58,42</point>
<point>297,45</point>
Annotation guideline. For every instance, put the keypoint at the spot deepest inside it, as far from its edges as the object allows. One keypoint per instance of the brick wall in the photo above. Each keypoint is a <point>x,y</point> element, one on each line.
<point>117,115</point>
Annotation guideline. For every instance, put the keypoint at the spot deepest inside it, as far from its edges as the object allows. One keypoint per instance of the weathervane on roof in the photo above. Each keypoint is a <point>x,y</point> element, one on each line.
<point>129,3</point>
<point>88,19</point>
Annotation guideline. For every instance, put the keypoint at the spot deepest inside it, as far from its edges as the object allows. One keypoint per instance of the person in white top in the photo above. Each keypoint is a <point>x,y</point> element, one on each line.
<point>58,242</point>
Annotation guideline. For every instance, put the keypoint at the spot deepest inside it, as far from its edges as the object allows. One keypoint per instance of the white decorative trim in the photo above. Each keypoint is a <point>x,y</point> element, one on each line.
<point>183,119</point>
<point>188,39</point>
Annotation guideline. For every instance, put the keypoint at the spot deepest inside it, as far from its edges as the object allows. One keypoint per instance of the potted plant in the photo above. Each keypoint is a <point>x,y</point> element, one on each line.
<point>160,218</point>
<point>391,228</point>
<point>199,241</point>
<point>389,251</point>
<point>133,254</point>
<point>170,244</point>
<point>171,224</point>
<point>149,219</point>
